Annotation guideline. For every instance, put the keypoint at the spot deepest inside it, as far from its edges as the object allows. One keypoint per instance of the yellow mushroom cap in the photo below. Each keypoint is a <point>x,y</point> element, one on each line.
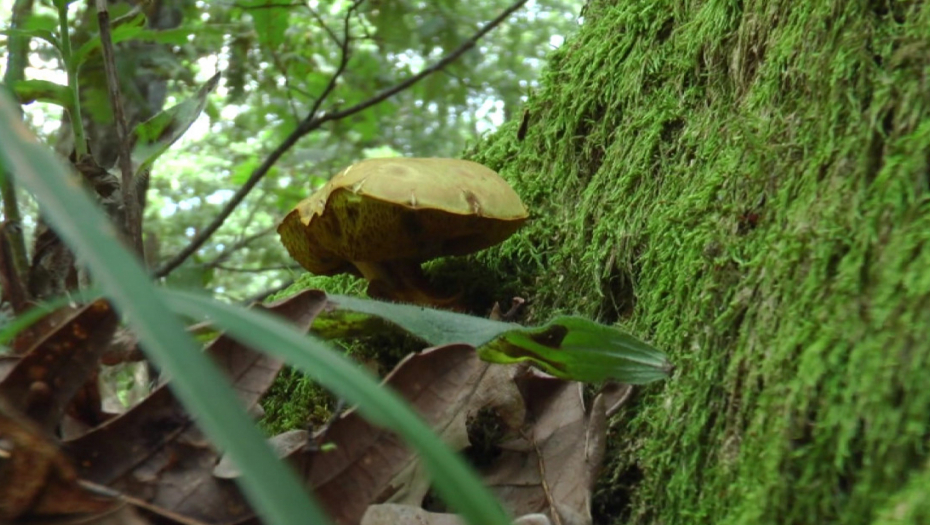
<point>401,209</point>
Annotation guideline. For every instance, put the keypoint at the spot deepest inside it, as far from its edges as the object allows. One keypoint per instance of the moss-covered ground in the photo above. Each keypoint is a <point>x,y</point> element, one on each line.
<point>745,185</point>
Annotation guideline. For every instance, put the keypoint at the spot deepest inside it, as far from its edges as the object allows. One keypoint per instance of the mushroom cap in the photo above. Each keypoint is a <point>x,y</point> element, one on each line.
<point>401,209</point>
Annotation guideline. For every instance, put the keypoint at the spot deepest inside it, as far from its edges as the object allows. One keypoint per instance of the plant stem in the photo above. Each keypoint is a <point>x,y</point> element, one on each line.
<point>15,67</point>
<point>133,214</point>
<point>77,123</point>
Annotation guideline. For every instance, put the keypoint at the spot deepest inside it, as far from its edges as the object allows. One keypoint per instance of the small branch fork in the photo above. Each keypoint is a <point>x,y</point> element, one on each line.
<point>315,121</point>
<point>133,216</point>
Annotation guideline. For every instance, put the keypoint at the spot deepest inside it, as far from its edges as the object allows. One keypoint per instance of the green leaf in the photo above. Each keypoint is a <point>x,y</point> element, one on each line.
<point>42,34</point>
<point>153,137</point>
<point>570,348</point>
<point>270,21</point>
<point>179,36</point>
<point>243,171</point>
<point>273,489</point>
<point>133,17</point>
<point>581,350</point>
<point>29,91</point>
<point>119,34</point>
<point>40,22</point>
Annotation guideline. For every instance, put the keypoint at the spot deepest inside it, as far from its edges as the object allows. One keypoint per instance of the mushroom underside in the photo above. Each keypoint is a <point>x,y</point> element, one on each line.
<point>403,281</point>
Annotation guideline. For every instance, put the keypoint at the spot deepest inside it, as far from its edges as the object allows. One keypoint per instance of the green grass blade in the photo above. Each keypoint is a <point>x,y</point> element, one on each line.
<point>454,480</point>
<point>271,487</point>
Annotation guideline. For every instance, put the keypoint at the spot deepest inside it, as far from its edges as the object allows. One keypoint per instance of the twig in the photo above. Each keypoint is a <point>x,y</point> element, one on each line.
<point>312,123</point>
<point>343,62</point>
<point>445,61</point>
<point>319,19</point>
<point>130,203</point>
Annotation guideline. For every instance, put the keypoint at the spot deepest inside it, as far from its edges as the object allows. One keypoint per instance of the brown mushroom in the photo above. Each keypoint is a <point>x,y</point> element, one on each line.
<point>381,218</point>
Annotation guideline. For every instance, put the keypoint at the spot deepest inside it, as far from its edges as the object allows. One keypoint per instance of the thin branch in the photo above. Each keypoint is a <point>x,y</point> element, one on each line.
<point>445,61</point>
<point>343,62</point>
<point>260,172</point>
<point>314,122</point>
<point>130,202</point>
<point>319,19</point>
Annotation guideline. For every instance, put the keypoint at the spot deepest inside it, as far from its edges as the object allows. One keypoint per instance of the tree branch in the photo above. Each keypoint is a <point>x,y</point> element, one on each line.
<point>313,122</point>
<point>131,209</point>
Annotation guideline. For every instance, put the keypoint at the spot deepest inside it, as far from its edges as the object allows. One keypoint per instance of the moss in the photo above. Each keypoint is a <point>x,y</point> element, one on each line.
<point>745,184</point>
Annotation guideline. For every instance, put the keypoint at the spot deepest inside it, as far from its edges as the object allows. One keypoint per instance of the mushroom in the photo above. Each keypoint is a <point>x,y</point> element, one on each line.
<point>381,218</point>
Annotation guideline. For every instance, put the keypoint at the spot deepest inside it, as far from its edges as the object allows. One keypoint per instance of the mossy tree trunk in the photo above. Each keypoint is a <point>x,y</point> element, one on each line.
<point>745,184</point>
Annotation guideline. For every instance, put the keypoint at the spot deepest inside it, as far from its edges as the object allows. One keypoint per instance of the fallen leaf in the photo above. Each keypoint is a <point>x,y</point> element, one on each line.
<point>37,479</point>
<point>156,454</point>
<point>446,386</point>
<point>284,444</point>
<point>555,461</point>
<point>44,381</point>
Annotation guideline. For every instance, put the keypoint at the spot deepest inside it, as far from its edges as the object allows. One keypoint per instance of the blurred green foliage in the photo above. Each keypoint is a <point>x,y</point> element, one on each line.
<point>276,58</point>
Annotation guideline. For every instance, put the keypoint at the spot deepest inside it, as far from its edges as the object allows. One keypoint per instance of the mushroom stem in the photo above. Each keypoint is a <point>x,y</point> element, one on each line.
<point>403,281</point>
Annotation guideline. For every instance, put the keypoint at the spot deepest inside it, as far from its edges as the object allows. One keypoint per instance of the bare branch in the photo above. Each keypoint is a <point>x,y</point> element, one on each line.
<point>130,202</point>
<point>313,122</point>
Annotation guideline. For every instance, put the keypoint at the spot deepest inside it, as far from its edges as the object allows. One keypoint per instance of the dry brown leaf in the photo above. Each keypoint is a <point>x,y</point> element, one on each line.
<point>551,438</point>
<point>156,454</point>
<point>394,514</point>
<point>37,479</point>
<point>554,463</point>
<point>44,381</point>
<point>372,465</point>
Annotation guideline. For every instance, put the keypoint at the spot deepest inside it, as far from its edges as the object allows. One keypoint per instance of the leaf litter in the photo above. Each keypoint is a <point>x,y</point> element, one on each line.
<point>530,435</point>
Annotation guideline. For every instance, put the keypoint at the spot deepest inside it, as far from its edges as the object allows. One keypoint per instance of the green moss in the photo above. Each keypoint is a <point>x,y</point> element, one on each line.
<point>745,184</point>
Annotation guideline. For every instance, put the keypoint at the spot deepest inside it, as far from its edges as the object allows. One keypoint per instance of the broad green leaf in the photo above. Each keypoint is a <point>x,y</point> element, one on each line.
<point>153,137</point>
<point>29,91</point>
<point>271,20</point>
<point>454,480</point>
<point>40,22</point>
<point>272,488</point>
<point>581,350</point>
<point>570,348</point>
<point>127,31</point>
<point>388,17</point>
<point>243,170</point>
<point>133,17</point>
<point>42,34</point>
<point>181,35</point>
